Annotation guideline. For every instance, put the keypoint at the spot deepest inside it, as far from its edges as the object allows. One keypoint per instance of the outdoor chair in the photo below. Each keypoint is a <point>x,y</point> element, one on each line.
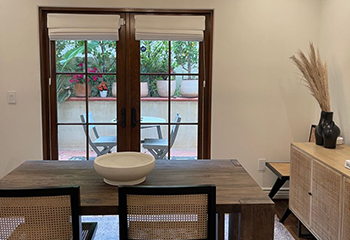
<point>104,142</point>
<point>42,214</point>
<point>167,212</point>
<point>159,147</point>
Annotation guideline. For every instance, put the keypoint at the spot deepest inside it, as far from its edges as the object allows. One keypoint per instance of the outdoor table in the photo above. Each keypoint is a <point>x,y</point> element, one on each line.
<point>250,210</point>
<point>153,123</point>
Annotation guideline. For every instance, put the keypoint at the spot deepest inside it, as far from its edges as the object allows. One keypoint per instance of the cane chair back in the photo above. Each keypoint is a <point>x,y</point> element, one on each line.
<point>167,212</point>
<point>40,214</point>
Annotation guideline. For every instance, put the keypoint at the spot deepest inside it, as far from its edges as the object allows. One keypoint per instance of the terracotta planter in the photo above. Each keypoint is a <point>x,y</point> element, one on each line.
<point>189,88</point>
<point>163,88</point>
<point>114,89</point>
<point>144,89</point>
<point>80,89</point>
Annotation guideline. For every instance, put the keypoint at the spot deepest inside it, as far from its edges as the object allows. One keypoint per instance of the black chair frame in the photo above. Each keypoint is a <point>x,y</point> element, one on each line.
<point>123,191</point>
<point>73,192</point>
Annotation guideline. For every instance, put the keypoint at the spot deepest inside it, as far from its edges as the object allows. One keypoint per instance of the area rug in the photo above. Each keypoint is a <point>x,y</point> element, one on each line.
<point>108,228</point>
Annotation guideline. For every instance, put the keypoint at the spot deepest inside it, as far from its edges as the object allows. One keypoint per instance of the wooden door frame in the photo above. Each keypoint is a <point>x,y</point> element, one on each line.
<point>204,134</point>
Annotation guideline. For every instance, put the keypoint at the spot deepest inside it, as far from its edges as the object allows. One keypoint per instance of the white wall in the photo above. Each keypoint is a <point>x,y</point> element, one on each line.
<point>259,106</point>
<point>335,46</point>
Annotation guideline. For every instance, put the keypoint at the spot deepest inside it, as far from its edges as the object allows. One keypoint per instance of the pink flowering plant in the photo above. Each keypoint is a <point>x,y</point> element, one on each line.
<point>70,59</point>
<point>80,78</point>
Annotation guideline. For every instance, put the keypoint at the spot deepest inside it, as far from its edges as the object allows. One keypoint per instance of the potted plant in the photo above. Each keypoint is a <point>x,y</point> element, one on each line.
<point>186,56</point>
<point>102,87</point>
<point>68,56</point>
<point>114,89</point>
<point>315,75</point>
<point>163,86</point>
<point>154,62</point>
<point>79,81</point>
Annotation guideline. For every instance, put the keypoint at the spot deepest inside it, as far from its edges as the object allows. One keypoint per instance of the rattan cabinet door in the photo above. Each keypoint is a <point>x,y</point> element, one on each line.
<point>326,202</point>
<point>300,185</point>
<point>346,209</point>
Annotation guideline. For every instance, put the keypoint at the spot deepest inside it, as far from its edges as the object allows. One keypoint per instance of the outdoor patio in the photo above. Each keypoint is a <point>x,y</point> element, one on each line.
<point>72,139</point>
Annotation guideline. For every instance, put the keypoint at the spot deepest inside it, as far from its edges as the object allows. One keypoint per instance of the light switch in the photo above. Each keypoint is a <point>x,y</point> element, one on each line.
<point>11,97</point>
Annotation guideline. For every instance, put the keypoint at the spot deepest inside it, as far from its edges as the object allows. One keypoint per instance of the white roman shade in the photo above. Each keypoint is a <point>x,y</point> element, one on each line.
<point>83,27</point>
<point>172,28</point>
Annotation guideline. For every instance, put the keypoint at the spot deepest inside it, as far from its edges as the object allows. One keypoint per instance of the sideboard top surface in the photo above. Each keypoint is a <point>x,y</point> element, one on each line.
<point>334,158</point>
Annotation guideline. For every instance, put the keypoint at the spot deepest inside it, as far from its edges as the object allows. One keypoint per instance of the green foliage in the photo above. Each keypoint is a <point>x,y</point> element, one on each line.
<point>186,55</point>
<point>154,59</point>
<point>70,58</point>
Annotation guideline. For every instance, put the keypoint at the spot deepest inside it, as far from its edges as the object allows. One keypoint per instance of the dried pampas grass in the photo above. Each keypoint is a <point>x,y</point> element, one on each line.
<point>315,75</point>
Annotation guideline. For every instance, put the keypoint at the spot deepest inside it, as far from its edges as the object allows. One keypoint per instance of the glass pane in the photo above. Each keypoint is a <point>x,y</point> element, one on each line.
<point>70,56</point>
<point>184,56</point>
<point>152,133</point>
<point>154,56</point>
<point>102,56</point>
<point>103,100</point>
<point>154,99</point>
<point>186,102</point>
<point>71,143</point>
<point>185,143</point>
<point>103,140</point>
<point>70,97</point>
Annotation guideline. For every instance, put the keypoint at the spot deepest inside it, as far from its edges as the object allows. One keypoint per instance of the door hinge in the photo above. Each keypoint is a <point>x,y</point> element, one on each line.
<point>49,81</point>
<point>121,21</point>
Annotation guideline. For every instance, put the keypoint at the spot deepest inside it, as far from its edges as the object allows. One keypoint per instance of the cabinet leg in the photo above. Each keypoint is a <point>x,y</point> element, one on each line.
<point>303,234</point>
<point>285,215</point>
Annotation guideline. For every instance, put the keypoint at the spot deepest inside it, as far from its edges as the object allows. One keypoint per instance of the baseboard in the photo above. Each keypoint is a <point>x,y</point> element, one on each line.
<point>283,193</point>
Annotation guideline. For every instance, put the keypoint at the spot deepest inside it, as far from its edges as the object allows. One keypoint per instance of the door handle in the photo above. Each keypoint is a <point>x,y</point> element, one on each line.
<point>123,118</point>
<point>133,118</point>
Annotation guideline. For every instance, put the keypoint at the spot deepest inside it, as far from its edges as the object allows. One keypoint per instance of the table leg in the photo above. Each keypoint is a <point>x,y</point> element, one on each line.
<point>234,226</point>
<point>159,131</point>
<point>257,222</point>
<point>220,226</point>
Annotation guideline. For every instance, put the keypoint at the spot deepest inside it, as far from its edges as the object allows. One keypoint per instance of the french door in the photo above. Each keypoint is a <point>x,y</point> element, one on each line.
<point>127,95</point>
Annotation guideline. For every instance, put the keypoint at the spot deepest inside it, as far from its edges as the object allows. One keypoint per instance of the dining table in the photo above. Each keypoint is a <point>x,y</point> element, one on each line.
<point>250,211</point>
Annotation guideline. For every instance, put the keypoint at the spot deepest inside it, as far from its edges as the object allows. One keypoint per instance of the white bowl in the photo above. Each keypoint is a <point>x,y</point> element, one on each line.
<point>124,168</point>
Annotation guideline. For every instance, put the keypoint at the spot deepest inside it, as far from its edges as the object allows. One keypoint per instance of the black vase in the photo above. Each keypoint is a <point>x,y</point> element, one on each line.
<point>330,134</point>
<point>327,132</point>
<point>321,125</point>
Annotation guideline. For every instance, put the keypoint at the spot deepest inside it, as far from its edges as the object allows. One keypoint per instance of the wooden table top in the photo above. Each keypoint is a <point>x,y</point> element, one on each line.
<point>235,187</point>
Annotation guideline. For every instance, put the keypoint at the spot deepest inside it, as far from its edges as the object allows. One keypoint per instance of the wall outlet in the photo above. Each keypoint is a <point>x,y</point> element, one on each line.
<point>262,166</point>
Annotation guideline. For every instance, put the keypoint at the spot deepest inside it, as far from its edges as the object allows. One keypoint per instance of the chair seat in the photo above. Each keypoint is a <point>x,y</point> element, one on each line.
<point>106,140</point>
<point>155,143</point>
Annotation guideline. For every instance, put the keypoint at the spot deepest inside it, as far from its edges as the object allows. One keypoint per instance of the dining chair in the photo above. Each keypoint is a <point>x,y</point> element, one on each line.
<point>106,142</point>
<point>42,214</point>
<point>167,212</point>
<point>159,147</point>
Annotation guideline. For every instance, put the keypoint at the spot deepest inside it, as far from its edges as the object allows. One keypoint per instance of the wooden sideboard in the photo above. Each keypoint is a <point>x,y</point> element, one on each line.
<point>319,193</point>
